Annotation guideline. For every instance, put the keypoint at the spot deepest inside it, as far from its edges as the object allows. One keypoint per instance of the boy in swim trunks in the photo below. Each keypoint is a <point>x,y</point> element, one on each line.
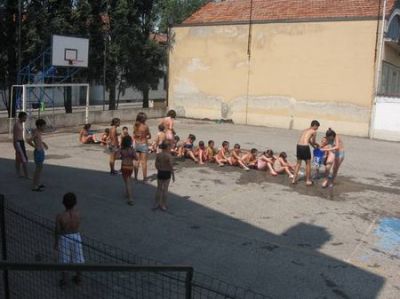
<point>221,157</point>
<point>38,154</point>
<point>165,172</point>
<point>68,242</point>
<point>113,146</point>
<point>303,151</point>
<point>235,159</point>
<point>21,159</point>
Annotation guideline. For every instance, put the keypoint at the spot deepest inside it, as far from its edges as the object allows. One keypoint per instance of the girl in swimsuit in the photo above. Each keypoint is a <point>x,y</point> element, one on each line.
<point>285,166</point>
<point>337,147</point>
<point>266,162</point>
<point>141,135</point>
<point>168,123</point>
<point>85,137</point>
<point>128,155</point>
<point>187,150</point>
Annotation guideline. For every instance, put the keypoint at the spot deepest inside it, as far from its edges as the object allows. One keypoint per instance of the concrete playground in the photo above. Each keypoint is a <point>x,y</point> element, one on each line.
<point>246,228</point>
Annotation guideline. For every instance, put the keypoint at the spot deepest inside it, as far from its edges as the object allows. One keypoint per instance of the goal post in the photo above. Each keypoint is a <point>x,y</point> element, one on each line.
<point>24,99</point>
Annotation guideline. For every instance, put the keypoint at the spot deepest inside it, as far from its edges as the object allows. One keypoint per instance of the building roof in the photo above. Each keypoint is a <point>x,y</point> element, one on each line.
<point>237,11</point>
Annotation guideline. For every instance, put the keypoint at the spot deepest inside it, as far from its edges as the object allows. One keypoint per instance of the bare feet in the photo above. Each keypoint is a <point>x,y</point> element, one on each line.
<point>309,183</point>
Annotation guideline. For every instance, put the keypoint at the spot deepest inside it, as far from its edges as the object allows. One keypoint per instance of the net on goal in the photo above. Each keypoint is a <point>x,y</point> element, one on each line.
<point>46,101</point>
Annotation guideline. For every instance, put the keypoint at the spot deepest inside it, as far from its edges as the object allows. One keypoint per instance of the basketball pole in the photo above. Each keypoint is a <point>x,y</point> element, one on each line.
<point>87,105</point>
<point>23,107</point>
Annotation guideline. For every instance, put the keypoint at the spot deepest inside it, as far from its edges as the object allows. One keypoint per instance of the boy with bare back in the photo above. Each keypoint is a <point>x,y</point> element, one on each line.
<point>21,159</point>
<point>160,138</point>
<point>38,154</point>
<point>211,151</point>
<point>165,172</point>
<point>303,151</point>
<point>68,242</point>
<point>222,156</point>
<point>113,145</point>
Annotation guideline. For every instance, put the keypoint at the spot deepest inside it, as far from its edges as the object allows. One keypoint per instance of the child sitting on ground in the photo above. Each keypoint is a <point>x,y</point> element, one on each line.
<point>250,158</point>
<point>222,156</point>
<point>211,151</point>
<point>86,136</point>
<point>105,138</point>
<point>201,153</point>
<point>160,138</point>
<point>176,146</point>
<point>235,159</point>
<point>266,162</point>
<point>285,166</point>
<point>187,150</point>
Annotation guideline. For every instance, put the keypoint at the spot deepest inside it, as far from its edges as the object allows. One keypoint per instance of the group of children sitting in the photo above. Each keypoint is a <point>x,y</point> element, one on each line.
<point>274,164</point>
<point>267,161</point>
<point>253,159</point>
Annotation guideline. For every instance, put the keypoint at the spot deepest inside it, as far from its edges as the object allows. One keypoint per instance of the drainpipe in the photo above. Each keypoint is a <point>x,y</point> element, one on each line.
<point>378,72</point>
<point>249,44</point>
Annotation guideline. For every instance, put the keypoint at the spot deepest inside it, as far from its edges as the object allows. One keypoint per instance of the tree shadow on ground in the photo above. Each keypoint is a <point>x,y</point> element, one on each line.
<point>281,266</point>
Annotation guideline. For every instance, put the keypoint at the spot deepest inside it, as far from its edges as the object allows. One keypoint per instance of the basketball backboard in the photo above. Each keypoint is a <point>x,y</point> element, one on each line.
<point>70,51</point>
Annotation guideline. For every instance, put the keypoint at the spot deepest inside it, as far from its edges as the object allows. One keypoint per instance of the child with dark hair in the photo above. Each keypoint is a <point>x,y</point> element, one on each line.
<point>211,151</point>
<point>105,138</point>
<point>141,135</point>
<point>187,149</point>
<point>68,242</point>
<point>250,158</point>
<point>165,172</point>
<point>128,155</point>
<point>21,159</point>
<point>285,166</point>
<point>160,138</point>
<point>266,162</point>
<point>113,145</point>
<point>38,153</point>
<point>168,123</point>
<point>235,159</point>
<point>174,147</point>
<point>201,153</point>
<point>222,156</point>
<point>86,136</point>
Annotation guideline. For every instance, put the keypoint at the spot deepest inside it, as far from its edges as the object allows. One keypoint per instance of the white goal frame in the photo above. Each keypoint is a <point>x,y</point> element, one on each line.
<point>24,96</point>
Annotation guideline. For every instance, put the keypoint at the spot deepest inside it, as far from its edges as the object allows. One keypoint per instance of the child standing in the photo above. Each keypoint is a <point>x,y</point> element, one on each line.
<point>113,146</point>
<point>21,159</point>
<point>165,171</point>
<point>38,154</point>
<point>160,138</point>
<point>68,242</point>
<point>235,159</point>
<point>128,155</point>
<point>221,157</point>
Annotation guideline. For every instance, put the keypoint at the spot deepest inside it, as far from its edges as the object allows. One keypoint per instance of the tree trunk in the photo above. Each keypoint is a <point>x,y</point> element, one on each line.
<point>111,101</point>
<point>68,99</point>
<point>12,49</point>
<point>145,92</point>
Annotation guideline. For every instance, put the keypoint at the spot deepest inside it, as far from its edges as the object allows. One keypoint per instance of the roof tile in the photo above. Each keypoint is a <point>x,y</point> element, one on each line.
<point>275,10</point>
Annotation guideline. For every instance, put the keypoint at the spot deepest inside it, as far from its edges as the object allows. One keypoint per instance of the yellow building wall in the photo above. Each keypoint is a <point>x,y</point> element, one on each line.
<point>297,72</point>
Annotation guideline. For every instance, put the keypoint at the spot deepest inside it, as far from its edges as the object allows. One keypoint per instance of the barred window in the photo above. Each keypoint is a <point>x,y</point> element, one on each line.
<point>390,80</point>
